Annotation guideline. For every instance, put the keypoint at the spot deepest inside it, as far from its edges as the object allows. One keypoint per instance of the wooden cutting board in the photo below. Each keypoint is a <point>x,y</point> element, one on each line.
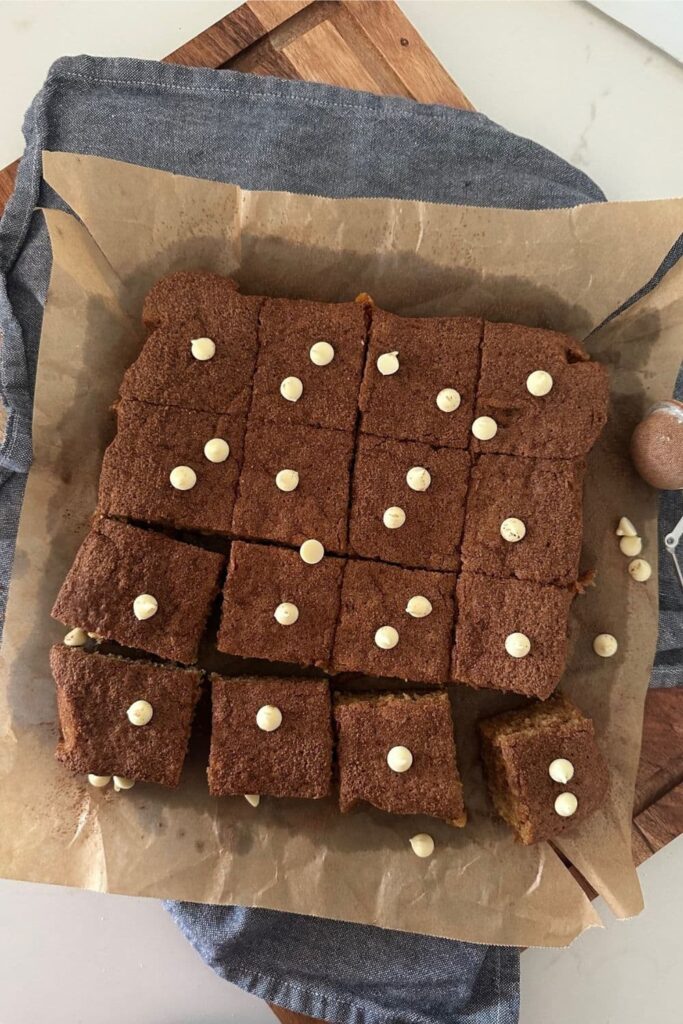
<point>371,45</point>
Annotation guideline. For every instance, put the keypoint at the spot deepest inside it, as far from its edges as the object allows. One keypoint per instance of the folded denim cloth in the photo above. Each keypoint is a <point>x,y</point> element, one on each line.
<point>263,133</point>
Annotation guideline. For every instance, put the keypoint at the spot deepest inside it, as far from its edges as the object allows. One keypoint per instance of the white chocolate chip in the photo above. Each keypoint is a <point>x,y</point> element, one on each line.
<point>292,389</point>
<point>96,637</point>
<point>268,718</point>
<point>252,798</point>
<point>399,759</point>
<point>321,353</point>
<point>561,770</point>
<point>286,613</point>
<point>630,546</point>
<point>183,478</point>
<point>121,783</point>
<point>140,712</point>
<point>448,400</point>
<point>640,570</point>
<point>216,450</point>
<point>605,645</point>
<point>539,383</point>
<point>422,844</point>
<point>311,552</point>
<point>287,480</point>
<point>484,428</point>
<point>566,804</point>
<point>386,637</point>
<point>99,781</point>
<point>517,645</point>
<point>419,607</point>
<point>394,517</point>
<point>418,478</point>
<point>626,528</point>
<point>145,606</point>
<point>76,637</point>
<point>512,530</point>
<point>203,349</point>
<point>387,363</point>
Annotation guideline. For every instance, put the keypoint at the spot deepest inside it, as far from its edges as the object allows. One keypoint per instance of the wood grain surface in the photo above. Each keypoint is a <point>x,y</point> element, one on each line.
<point>371,45</point>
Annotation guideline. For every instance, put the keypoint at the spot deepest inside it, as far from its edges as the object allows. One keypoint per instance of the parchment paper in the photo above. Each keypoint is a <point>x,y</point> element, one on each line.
<point>566,269</point>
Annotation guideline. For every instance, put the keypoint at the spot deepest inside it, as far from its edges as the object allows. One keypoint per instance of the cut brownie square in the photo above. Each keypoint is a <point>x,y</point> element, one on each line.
<point>174,467</point>
<point>291,759</point>
<point>435,355</point>
<point>545,497</point>
<point>94,694</point>
<point>140,589</point>
<point>295,484</point>
<point>425,777</point>
<point>563,423</point>
<point>262,579</point>
<point>544,769</point>
<point>289,328</point>
<point>215,373</point>
<point>386,476</point>
<point>378,635</point>
<point>500,620</point>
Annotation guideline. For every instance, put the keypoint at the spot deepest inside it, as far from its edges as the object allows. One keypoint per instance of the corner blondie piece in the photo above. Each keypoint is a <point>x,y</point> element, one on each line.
<point>141,589</point>
<point>154,448</point>
<point>565,422</point>
<point>94,694</point>
<point>370,726</point>
<point>500,620</point>
<point>294,759</point>
<point>433,508</point>
<point>434,354</point>
<point>544,769</point>
<point>546,498</point>
<point>395,622</point>
<point>262,579</point>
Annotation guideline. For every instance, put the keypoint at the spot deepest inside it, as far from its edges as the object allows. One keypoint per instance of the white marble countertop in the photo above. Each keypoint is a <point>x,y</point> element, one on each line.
<point>575,81</point>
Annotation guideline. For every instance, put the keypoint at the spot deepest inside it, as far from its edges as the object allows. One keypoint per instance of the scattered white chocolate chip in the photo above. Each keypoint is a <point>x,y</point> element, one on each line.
<point>512,530</point>
<point>605,645</point>
<point>422,844</point>
<point>268,718</point>
<point>561,770</point>
<point>640,570</point>
<point>484,428</point>
<point>566,804</point>
<point>419,607</point>
<point>145,606</point>
<point>626,528</point>
<point>517,645</point>
<point>399,759</point>
<point>539,383</point>
<point>387,363</point>
<point>418,478</point>
<point>140,712</point>
<point>99,781</point>
<point>252,798</point>
<point>287,480</point>
<point>96,637</point>
<point>292,389</point>
<point>286,613</point>
<point>630,546</point>
<point>122,783</point>
<point>311,552</point>
<point>321,353</point>
<point>448,399</point>
<point>216,450</point>
<point>203,349</point>
<point>76,637</point>
<point>394,517</point>
<point>183,478</point>
<point>386,637</point>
